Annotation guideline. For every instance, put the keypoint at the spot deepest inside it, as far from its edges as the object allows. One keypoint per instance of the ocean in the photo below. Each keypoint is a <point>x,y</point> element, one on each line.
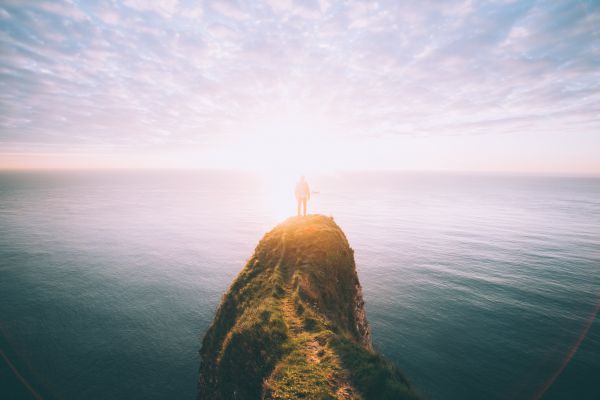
<point>478,286</point>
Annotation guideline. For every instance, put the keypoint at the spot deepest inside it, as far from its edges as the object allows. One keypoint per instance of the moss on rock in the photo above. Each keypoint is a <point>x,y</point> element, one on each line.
<point>292,325</point>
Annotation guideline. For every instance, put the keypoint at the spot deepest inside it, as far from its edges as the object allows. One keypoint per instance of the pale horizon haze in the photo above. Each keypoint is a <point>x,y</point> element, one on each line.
<point>312,86</point>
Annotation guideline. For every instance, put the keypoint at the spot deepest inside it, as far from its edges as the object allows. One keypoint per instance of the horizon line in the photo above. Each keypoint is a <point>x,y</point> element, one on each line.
<point>575,174</point>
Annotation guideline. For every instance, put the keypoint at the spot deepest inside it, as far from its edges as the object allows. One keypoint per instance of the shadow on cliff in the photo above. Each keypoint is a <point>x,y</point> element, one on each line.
<point>293,326</point>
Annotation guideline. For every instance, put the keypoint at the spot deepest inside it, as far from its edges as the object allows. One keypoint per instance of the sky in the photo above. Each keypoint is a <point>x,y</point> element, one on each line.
<point>314,85</point>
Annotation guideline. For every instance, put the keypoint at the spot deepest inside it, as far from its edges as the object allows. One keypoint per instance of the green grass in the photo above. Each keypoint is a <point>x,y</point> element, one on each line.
<point>286,329</point>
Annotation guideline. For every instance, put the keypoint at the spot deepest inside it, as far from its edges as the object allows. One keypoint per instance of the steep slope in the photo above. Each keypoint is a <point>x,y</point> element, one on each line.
<point>293,325</point>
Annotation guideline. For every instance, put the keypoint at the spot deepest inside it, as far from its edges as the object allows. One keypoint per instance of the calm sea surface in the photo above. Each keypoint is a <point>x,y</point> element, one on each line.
<point>477,286</point>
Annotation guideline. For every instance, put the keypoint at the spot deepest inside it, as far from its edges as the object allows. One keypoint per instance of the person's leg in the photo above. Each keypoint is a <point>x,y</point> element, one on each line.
<point>298,200</point>
<point>304,200</point>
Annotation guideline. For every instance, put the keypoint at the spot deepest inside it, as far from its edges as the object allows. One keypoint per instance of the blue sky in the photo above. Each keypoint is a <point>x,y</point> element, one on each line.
<point>450,85</point>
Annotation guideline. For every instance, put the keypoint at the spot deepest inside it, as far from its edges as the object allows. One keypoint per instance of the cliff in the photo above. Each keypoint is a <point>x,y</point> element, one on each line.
<point>293,325</point>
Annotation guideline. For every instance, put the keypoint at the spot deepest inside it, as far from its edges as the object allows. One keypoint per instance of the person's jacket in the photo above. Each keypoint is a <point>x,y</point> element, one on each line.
<point>302,190</point>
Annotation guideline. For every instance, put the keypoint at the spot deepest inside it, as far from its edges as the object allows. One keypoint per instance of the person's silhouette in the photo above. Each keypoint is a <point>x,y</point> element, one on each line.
<point>302,194</point>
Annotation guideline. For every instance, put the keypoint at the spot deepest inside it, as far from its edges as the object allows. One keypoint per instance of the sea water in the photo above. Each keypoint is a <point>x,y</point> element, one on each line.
<point>476,286</point>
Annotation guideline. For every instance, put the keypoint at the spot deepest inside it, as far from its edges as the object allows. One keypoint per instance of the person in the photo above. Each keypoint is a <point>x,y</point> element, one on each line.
<point>302,194</point>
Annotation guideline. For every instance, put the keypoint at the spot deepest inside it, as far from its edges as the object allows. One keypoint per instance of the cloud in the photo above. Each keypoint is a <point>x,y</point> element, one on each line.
<point>169,73</point>
<point>166,8</point>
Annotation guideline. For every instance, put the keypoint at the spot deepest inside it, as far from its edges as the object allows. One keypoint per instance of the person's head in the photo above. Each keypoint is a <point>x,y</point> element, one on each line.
<point>302,179</point>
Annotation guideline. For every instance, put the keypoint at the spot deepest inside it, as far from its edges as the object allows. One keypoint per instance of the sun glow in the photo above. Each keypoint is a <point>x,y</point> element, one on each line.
<point>284,147</point>
<point>290,142</point>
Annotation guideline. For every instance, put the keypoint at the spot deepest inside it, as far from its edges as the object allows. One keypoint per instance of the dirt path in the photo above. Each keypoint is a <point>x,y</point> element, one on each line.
<point>295,325</point>
<point>315,351</point>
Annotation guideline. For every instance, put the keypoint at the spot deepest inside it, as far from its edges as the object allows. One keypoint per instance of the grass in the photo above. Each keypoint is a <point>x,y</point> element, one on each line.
<point>288,327</point>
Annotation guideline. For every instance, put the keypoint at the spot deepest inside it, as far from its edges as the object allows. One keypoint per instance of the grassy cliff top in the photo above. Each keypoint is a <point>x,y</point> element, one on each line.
<point>293,326</point>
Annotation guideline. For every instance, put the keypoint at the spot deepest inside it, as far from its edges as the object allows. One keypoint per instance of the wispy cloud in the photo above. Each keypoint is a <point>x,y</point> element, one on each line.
<point>143,73</point>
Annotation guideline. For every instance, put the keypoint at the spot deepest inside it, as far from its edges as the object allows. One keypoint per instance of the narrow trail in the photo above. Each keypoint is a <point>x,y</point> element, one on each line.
<point>294,324</point>
<point>315,351</point>
<point>293,321</point>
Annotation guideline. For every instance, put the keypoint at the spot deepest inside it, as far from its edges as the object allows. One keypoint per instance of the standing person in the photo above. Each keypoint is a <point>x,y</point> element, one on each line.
<point>302,194</point>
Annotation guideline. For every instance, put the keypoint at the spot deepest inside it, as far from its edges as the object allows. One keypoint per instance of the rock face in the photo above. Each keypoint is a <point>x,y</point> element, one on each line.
<point>293,324</point>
